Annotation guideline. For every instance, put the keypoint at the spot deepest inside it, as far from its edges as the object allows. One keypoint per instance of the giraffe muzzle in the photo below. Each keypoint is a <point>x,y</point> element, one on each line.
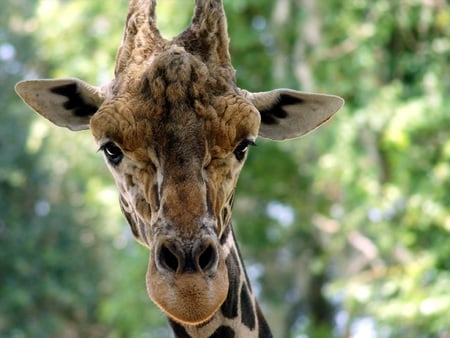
<point>201,256</point>
<point>187,278</point>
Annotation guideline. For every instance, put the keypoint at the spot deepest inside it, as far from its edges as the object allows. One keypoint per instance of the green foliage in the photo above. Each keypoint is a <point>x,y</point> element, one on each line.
<point>345,232</point>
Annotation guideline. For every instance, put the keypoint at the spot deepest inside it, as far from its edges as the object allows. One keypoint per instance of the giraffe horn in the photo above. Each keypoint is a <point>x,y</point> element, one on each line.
<point>141,36</point>
<point>207,34</point>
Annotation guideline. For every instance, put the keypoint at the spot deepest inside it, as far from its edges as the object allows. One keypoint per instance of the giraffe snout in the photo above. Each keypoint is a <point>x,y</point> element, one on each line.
<point>187,276</point>
<point>200,256</point>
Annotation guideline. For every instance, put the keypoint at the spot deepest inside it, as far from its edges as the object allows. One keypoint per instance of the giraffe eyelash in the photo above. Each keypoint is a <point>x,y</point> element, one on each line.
<point>112,152</point>
<point>241,150</point>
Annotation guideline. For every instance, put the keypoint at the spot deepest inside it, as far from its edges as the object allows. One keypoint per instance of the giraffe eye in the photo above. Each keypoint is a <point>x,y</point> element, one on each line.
<point>112,153</point>
<point>242,149</point>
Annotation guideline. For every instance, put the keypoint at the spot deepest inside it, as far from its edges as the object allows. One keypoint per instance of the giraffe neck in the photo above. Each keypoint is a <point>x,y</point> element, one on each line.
<point>240,315</point>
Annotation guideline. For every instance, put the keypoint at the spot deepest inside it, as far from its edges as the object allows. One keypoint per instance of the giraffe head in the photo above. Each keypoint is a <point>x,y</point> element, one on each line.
<point>175,129</point>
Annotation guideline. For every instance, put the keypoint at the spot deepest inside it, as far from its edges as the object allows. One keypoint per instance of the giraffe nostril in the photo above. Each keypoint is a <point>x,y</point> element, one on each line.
<point>168,259</point>
<point>207,258</point>
<point>201,257</point>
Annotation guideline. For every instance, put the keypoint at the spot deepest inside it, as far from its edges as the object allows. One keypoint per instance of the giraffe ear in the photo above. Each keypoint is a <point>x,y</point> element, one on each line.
<point>67,102</point>
<point>287,113</point>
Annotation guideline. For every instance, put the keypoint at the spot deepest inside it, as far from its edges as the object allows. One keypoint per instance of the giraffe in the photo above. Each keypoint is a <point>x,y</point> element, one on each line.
<point>175,130</point>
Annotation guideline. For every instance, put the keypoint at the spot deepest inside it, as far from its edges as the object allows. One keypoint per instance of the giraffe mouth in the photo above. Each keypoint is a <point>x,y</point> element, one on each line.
<point>189,298</point>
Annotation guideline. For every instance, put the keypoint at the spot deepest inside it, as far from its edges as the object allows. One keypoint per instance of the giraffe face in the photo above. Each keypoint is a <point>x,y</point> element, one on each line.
<point>175,130</point>
<point>175,153</point>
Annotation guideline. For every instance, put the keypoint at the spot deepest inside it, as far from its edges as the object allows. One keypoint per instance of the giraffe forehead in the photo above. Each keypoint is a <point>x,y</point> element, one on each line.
<point>174,75</point>
<point>230,120</point>
<point>178,100</point>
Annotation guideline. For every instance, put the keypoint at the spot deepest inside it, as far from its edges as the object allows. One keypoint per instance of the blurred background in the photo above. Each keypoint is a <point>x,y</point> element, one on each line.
<point>345,233</point>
